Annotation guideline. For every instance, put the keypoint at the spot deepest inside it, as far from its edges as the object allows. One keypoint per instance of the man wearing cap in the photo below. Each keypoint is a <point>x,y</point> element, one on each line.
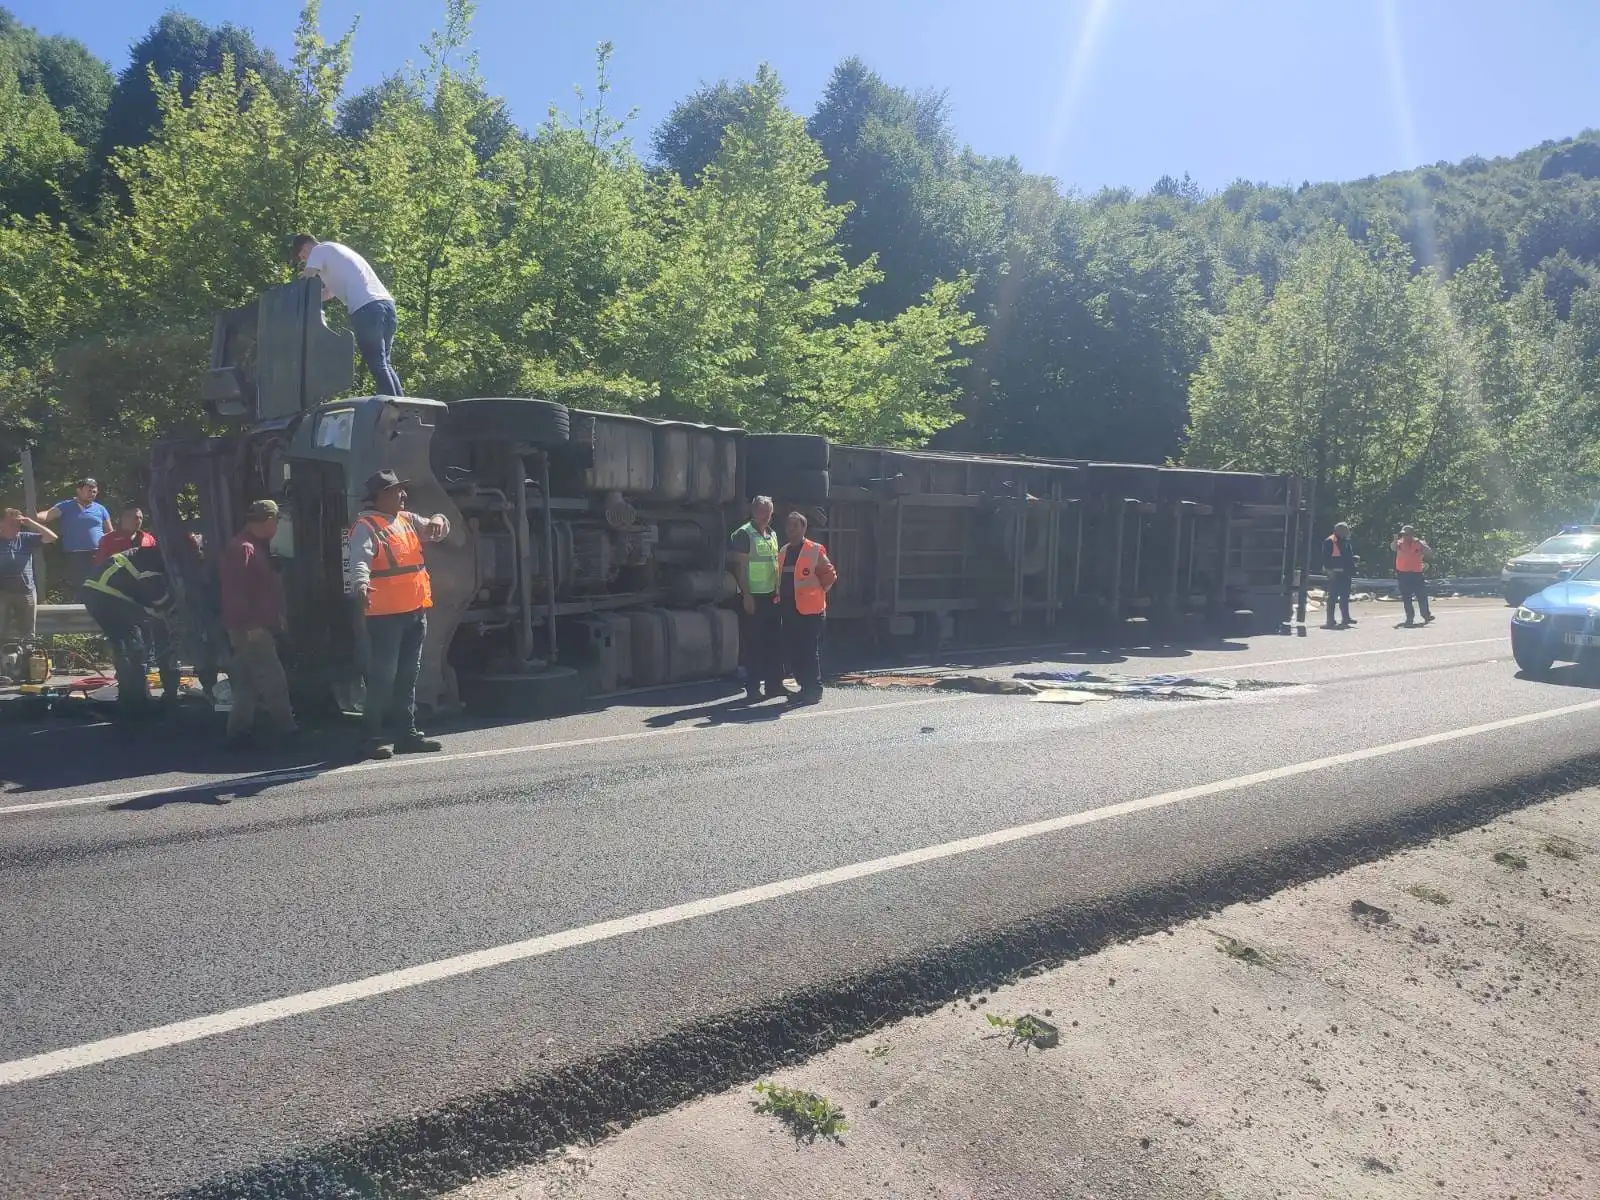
<point>84,521</point>
<point>388,582</point>
<point>252,611</point>
<point>1410,551</point>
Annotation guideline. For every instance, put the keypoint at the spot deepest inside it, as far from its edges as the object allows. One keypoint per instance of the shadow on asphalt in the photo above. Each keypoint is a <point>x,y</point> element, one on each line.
<point>1570,675</point>
<point>56,755</point>
<point>737,711</point>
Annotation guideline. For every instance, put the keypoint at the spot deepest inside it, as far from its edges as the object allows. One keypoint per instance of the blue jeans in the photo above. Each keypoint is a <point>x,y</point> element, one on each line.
<point>391,659</point>
<point>374,326</point>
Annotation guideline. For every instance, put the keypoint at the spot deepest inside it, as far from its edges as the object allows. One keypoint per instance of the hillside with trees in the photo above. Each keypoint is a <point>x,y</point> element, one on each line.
<point>1425,345</point>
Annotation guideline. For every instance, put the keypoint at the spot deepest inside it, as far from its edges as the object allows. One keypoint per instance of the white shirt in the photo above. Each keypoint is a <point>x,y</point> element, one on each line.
<point>345,275</point>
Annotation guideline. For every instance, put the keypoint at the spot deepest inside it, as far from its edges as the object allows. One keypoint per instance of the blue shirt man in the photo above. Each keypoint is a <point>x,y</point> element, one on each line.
<point>19,537</point>
<point>84,521</point>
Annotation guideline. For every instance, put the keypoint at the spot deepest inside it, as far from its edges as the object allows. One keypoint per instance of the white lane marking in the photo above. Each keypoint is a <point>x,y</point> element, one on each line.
<point>273,778</point>
<point>56,1062</point>
<point>1284,662</point>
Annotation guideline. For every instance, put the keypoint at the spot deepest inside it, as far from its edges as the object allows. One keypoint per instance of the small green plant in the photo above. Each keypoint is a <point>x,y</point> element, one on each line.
<point>1560,847</point>
<point>878,1051</point>
<point>1511,860</point>
<point>806,1115</point>
<point>1234,948</point>
<point>1026,1030</point>
<point>1432,895</point>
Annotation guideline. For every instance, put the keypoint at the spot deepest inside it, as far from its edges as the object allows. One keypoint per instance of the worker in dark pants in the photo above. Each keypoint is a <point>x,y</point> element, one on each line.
<point>753,555</point>
<point>1410,554</point>
<point>388,580</point>
<point>128,598</point>
<point>1339,564</point>
<point>806,574</point>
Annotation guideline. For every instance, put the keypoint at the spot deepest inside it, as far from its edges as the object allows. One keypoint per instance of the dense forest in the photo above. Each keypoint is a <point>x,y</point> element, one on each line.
<point>1425,345</point>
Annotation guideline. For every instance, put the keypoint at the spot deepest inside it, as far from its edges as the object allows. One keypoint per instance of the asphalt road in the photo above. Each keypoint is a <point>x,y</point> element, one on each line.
<point>635,870</point>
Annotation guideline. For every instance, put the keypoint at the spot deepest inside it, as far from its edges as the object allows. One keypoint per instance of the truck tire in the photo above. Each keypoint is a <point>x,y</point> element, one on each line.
<point>787,451</point>
<point>552,692</point>
<point>797,487</point>
<point>510,419</point>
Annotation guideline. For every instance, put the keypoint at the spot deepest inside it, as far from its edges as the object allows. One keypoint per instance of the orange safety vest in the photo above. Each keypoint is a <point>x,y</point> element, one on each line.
<point>399,578</point>
<point>813,576</point>
<point>1408,556</point>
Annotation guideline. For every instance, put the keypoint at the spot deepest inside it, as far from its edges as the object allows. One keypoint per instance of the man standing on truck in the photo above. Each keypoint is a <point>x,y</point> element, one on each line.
<point>252,611</point>
<point>350,279</point>
<point>806,574</point>
<point>753,550</point>
<point>1410,551</point>
<point>128,598</point>
<point>1339,564</point>
<point>84,521</point>
<point>388,581</point>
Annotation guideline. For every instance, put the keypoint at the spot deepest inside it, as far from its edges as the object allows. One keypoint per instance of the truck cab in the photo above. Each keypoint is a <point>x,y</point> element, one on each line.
<point>585,552</point>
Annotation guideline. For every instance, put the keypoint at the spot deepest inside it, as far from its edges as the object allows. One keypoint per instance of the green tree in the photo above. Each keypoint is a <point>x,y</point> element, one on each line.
<point>38,160</point>
<point>690,139</point>
<point>743,319</point>
<point>77,84</point>
<point>179,46</point>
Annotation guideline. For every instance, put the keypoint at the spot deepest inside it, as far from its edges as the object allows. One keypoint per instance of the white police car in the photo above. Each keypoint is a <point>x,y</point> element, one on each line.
<point>1536,569</point>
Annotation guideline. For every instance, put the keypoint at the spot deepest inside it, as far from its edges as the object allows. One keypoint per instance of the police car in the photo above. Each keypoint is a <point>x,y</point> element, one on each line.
<point>1536,569</point>
<point>1561,623</point>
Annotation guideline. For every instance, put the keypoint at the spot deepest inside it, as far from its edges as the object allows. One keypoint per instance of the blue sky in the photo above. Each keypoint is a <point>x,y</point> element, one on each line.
<point>1094,92</point>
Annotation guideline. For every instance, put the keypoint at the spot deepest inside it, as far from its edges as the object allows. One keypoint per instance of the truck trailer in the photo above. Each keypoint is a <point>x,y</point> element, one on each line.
<point>586,553</point>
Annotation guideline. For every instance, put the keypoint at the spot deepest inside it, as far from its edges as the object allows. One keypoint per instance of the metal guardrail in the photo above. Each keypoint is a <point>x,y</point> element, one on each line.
<point>64,618</point>
<point>1463,585</point>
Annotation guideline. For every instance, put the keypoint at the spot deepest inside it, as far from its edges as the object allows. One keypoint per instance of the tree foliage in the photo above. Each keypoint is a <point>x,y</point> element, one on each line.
<point>1425,345</point>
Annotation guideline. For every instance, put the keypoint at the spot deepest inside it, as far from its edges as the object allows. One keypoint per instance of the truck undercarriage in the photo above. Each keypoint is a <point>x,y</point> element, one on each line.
<point>586,548</point>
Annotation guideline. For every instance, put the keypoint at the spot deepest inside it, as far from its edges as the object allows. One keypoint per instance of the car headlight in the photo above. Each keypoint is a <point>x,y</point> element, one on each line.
<point>1527,616</point>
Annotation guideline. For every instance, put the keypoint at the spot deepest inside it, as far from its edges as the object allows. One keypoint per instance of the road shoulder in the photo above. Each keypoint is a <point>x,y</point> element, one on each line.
<point>1424,1025</point>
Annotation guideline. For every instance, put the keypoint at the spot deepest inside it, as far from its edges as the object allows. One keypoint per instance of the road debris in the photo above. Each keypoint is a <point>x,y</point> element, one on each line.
<point>1360,910</point>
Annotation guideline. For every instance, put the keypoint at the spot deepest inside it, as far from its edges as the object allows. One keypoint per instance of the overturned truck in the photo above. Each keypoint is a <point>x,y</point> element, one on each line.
<point>586,553</point>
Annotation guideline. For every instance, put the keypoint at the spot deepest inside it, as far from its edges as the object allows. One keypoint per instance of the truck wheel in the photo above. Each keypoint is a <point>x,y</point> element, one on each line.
<point>787,451</point>
<point>510,419</point>
<point>552,692</point>
<point>1514,596</point>
<point>797,487</point>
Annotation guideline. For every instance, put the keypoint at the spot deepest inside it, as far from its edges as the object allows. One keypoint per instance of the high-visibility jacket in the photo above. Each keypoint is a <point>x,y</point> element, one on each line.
<point>813,576</point>
<point>1408,555</point>
<point>135,576</point>
<point>399,582</point>
<point>764,573</point>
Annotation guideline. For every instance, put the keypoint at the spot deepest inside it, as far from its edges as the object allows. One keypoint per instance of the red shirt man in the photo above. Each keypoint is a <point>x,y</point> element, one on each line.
<point>252,610</point>
<point>128,535</point>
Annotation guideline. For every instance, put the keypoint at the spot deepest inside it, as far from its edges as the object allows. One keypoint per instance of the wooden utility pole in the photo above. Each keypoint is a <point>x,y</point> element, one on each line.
<point>30,501</point>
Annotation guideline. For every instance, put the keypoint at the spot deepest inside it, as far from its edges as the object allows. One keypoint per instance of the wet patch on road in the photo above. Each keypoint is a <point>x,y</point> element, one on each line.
<point>1072,686</point>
